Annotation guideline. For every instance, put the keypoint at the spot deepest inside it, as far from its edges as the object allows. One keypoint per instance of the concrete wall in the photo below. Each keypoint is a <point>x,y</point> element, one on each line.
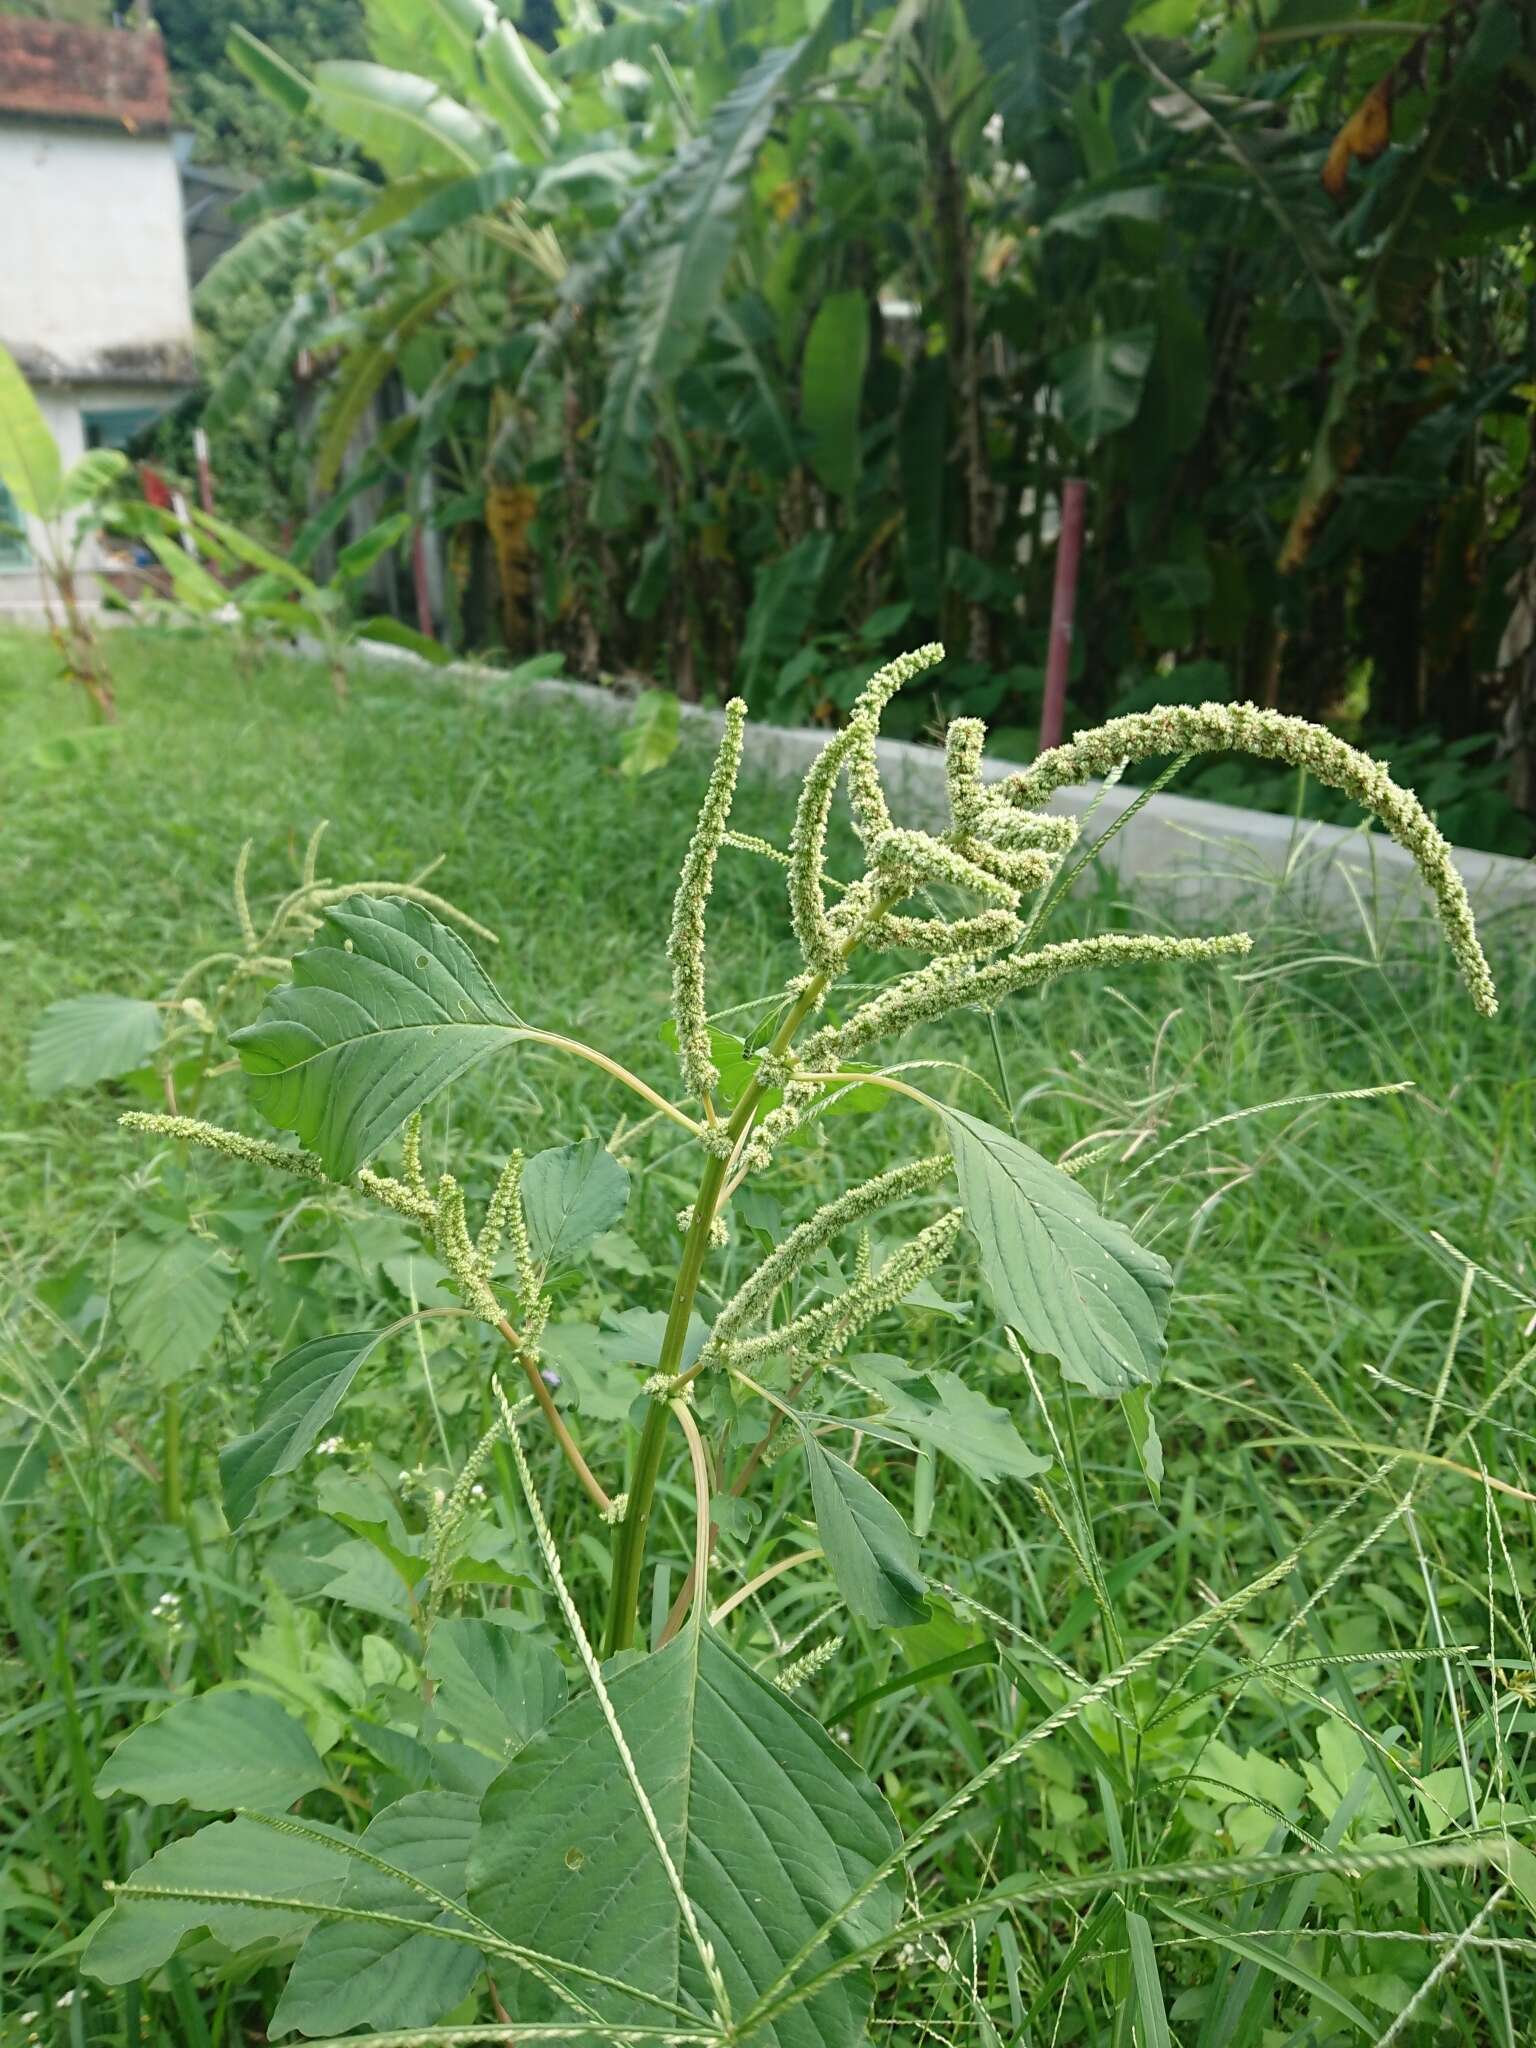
<point>92,258</point>
<point>1200,857</point>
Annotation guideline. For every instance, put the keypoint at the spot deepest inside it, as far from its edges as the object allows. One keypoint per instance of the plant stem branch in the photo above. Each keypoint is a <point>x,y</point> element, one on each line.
<point>619,1073</point>
<point>554,1418</point>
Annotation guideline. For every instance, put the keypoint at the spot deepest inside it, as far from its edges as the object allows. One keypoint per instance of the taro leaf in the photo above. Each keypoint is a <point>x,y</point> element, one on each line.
<point>354,1973</point>
<point>494,1687</point>
<point>770,1825</point>
<point>1071,1281</point>
<point>171,1297</point>
<point>1101,381</point>
<point>139,1934</point>
<point>298,1398</point>
<point>940,1410</point>
<point>90,1038</point>
<point>219,1750</point>
<point>569,1194</point>
<point>384,1010</point>
<point>868,1545</point>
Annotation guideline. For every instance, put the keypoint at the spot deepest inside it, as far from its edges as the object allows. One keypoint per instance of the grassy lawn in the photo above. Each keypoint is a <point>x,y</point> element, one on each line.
<point>1340,1376</point>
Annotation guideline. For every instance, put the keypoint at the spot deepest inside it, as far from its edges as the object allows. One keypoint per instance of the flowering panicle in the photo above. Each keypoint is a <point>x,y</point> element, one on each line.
<point>755,1296</point>
<point>948,984</point>
<point>191,1130</point>
<point>830,1324</point>
<point>1244,728</point>
<point>685,946</point>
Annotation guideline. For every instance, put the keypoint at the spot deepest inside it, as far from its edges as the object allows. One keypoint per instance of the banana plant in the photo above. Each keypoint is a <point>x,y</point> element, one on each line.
<point>63,508</point>
<point>217,572</point>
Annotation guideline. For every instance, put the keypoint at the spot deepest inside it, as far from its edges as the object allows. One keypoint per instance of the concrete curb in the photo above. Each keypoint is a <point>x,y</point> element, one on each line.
<point>1200,854</point>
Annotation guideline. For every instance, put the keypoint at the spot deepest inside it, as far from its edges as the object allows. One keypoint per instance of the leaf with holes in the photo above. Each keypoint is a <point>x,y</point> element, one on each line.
<point>770,1826</point>
<point>1070,1280</point>
<point>384,1010</point>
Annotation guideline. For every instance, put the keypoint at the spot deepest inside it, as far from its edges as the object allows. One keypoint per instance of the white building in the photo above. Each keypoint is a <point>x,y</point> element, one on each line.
<point>94,303</point>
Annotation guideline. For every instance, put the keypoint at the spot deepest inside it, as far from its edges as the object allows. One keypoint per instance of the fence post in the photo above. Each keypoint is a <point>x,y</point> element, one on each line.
<point>1069,553</point>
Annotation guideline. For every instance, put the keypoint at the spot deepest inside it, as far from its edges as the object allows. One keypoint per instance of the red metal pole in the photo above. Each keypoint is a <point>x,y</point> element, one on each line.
<point>423,587</point>
<point>1069,554</point>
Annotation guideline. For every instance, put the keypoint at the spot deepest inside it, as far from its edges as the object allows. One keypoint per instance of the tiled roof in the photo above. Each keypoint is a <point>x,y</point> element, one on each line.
<point>52,70</point>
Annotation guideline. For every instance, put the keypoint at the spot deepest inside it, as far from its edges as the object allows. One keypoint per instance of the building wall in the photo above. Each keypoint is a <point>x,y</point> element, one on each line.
<point>93,268</point>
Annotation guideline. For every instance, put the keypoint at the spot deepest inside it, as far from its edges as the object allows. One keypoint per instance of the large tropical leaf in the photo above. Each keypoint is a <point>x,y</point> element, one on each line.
<point>29,455</point>
<point>770,1825</point>
<point>674,290</point>
<point>369,364</point>
<point>404,122</point>
<point>831,386</point>
<point>1100,383</point>
<point>1071,1281</point>
<point>387,1007</point>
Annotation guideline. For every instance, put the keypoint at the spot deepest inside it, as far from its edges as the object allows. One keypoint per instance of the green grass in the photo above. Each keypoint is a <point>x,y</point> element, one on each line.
<point>1329,1358</point>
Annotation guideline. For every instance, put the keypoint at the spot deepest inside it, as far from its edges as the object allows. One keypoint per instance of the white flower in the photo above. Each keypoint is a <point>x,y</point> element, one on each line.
<point>331,1446</point>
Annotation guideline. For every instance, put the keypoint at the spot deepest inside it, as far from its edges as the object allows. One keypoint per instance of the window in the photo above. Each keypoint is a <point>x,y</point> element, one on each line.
<point>115,426</point>
<point>14,552</point>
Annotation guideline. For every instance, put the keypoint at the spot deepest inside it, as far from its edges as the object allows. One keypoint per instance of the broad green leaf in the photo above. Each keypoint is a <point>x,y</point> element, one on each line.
<point>675,286</point>
<point>269,73</point>
<point>770,1825</point>
<point>29,456</point>
<point>1084,216</point>
<point>832,385</point>
<point>220,1750</point>
<point>170,1300</point>
<point>385,1009</point>
<point>297,1399</point>
<point>404,122</point>
<point>396,633</point>
<point>650,739</point>
<point>354,1973</point>
<point>570,1193</point>
<point>1012,37</point>
<point>91,476</point>
<point>941,1410</point>
<point>495,1687</point>
<point>868,1546</point>
<point>1068,1279</point>
<point>91,1038</point>
<point>359,556</point>
<point>1100,382</point>
<point>139,1934</point>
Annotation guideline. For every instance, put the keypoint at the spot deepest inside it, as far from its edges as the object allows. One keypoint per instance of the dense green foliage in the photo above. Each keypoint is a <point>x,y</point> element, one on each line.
<point>1330,1354</point>
<point>735,344</point>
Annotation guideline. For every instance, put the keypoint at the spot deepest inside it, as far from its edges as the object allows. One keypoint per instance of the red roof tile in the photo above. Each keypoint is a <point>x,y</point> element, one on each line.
<point>54,71</point>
